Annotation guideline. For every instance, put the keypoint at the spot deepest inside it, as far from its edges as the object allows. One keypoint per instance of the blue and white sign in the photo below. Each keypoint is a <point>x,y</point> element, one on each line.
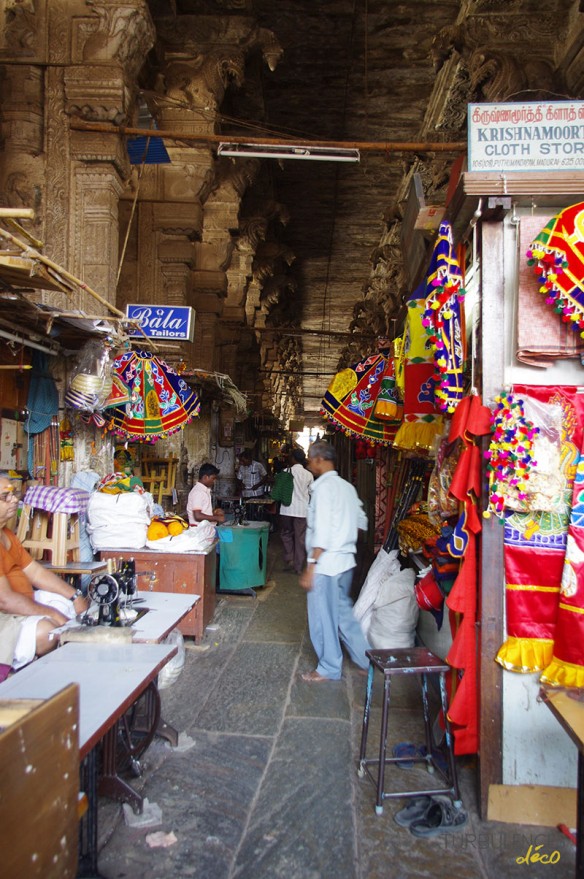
<point>534,136</point>
<point>163,321</point>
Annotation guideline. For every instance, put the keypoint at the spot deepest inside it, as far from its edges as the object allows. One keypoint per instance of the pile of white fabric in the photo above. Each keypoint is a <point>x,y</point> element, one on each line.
<point>196,539</point>
<point>387,608</point>
<point>119,521</point>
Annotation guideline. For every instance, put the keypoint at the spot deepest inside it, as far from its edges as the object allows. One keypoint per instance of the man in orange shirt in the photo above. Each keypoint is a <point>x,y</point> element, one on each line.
<point>25,622</point>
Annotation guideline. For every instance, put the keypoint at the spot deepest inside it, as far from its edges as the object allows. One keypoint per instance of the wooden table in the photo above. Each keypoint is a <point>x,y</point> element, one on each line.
<point>183,573</point>
<point>569,712</point>
<point>110,678</point>
<point>165,612</point>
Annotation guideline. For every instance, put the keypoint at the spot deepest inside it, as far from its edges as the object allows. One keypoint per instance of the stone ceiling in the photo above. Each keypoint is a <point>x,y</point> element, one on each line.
<point>371,71</point>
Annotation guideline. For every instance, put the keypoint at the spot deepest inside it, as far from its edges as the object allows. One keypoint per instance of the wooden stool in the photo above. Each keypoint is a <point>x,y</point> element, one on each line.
<point>55,534</point>
<point>418,661</point>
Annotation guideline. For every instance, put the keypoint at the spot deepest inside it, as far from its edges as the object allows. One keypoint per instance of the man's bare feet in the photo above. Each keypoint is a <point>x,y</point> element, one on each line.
<point>313,677</point>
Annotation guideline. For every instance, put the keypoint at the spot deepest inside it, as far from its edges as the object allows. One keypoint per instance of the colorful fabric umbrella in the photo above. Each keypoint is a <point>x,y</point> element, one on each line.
<point>160,401</point>
<point>557,255</point>
<point>351,399</point>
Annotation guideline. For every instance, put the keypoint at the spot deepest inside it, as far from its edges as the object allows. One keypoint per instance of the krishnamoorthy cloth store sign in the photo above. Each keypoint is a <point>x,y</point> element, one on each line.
<point>526,137</point>
<point>162,321</point>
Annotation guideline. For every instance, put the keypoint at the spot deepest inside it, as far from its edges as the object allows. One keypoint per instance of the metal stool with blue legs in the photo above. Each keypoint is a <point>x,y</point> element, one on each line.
<point>407,661</point>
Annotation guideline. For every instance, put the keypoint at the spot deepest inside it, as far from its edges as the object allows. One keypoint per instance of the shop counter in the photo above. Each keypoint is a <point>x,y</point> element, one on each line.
<point>186,573</point>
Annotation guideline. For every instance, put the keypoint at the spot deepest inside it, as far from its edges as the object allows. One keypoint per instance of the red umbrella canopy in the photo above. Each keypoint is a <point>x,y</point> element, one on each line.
<point>160,401</point>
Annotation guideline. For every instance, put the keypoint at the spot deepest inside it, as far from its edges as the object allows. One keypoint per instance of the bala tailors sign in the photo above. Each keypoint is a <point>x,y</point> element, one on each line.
<point>162,321</point>
<point>534,136</point>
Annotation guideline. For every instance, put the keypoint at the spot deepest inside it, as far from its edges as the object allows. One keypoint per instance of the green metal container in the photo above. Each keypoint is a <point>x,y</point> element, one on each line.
<point>243,556</point>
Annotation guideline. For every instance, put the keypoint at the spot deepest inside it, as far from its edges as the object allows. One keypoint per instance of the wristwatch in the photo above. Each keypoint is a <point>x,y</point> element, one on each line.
<point>311,561</point>
<point>77,594</point>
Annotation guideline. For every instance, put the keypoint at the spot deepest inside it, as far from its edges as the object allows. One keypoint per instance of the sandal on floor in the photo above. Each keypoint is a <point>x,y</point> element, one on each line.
<point>441,817</point>
<point>406,749</point>
<point>415,810</point>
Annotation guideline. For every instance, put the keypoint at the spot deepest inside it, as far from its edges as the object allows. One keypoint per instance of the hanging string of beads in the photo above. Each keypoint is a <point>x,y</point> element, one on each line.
<point>510,454</point>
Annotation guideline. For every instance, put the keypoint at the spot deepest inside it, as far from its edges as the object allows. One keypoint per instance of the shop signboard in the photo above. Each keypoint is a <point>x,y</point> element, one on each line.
<point>531,136</point>
<point>162,321</point>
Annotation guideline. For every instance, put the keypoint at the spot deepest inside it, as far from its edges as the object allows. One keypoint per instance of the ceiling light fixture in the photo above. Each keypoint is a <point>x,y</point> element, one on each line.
<point>304,151</point>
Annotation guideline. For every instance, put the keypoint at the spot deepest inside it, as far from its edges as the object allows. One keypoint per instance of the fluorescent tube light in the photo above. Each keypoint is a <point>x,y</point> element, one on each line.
<point>304,151</point>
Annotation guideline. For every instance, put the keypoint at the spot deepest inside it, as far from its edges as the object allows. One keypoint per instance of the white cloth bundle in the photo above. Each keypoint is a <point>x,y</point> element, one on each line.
<point>192,540</point>
<point>384,566</point>
<point>116,521</point>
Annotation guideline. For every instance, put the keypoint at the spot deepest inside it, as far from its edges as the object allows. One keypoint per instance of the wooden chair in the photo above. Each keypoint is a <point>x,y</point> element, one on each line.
<point>159,476</point>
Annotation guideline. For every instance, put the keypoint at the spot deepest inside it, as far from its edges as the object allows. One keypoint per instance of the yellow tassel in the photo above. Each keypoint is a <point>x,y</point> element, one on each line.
<point>525,655</point>
<point>414,435</point>
<point>563,674</point>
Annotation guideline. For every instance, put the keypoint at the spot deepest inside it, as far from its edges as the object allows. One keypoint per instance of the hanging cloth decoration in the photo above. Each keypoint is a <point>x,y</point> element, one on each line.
<point>415,368</point>
<point>351,398</point>
<point>160,401</point>
<point>443,321</point>
<point>566,668</point>
<point>535,539</point>
<point>557,255</point>
<point>470,422</point>
<point>42,402</point>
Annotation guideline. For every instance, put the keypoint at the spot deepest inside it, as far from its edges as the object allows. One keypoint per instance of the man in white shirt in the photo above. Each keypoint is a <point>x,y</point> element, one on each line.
<point>335,515</point>
<point>251,476</point>
<point>200,502</point>
<point>293,516</point>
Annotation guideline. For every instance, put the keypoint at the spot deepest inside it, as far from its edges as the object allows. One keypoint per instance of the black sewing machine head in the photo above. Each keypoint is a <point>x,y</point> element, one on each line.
<point>106,590</point>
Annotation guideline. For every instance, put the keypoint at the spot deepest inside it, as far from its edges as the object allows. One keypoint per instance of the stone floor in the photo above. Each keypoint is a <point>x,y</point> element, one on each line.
<point>269,789</point>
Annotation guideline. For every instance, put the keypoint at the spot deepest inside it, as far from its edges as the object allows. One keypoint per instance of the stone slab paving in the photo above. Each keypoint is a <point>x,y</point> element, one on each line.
<point>270,788</point>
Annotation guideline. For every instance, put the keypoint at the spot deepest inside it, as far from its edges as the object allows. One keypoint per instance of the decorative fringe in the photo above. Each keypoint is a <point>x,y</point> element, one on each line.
<point>416,435</point>
<point>563,674</point>
<point>525,655</point>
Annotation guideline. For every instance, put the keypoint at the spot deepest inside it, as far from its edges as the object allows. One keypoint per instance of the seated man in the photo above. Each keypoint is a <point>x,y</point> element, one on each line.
<point>27,615</point>
<point>200,503</point>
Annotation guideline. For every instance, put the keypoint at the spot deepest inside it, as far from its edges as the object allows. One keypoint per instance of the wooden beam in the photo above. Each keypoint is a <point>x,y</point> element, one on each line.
<point>491,564</point>
<point>364,146</point>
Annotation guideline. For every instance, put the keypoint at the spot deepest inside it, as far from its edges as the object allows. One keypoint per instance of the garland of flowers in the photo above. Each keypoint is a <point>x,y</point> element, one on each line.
<point>510,454</point>
<point>550,266</point>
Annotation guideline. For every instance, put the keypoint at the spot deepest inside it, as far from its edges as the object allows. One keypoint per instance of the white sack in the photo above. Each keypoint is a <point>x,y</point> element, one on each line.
<point>192,540</point>
<point>118,521</point>
<point>395,613</point>
<point>384,566</point>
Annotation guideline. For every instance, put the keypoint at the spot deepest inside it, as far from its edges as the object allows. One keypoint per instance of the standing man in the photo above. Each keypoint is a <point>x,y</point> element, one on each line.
<point>335,515</point>
<point>293,516</point>
<point>199,502</point>
<point>252,478</point>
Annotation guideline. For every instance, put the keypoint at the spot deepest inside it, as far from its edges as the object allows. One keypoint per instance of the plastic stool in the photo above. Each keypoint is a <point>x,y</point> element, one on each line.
<point>406,661</point>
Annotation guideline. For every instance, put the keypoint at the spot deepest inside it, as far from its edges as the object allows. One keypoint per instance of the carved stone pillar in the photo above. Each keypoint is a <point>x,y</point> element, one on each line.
<point>21,136</point>
<point>208,307</point>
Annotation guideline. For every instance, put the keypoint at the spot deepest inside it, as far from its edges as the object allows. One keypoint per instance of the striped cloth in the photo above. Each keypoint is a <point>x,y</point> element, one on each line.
<point>57,500</point>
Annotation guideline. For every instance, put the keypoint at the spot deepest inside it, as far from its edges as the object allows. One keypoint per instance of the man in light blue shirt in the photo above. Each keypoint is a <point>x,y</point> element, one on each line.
<point>335,515</point>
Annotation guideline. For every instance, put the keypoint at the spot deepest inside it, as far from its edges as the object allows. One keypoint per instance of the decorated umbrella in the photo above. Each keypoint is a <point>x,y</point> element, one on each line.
<point>557,255</point>
<point>351,399</point>
<point>160,401</point>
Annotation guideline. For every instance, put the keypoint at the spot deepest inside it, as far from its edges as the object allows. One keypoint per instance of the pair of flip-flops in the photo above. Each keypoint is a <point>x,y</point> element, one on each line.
<point>418,754</point>
<point>426,817</point>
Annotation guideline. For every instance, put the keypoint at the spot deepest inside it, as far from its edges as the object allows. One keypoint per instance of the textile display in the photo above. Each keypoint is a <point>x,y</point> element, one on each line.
<point>351,397</point>
<point>535,540</point>
<point>541,337</point>
<point>557,254</point>
<point>566,668</point>
<point>471,421</point>
<point>422,421</point>
<point>444,322</point>
<point>160,401</point>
